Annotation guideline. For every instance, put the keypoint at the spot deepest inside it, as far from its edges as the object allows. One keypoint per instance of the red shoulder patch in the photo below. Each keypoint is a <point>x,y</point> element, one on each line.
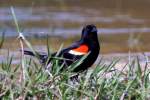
<point>83,49</point>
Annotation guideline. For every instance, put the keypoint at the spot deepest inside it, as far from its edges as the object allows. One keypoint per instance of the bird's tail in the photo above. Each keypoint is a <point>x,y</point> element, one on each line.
<point>27,52</point>
<point>42,57</point>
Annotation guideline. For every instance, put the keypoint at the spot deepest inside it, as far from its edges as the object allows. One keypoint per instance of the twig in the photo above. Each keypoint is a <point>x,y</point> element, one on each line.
<point>22,57</point>
<point>3,93</point>
<point>21,38</point>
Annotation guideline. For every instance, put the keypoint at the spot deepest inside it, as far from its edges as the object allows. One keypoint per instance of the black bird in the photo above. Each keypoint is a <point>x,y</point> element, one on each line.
<point>87,45</point>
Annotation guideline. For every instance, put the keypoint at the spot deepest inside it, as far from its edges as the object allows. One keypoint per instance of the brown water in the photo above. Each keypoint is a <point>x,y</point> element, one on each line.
<point>67,17</point>
<point>123,25</point>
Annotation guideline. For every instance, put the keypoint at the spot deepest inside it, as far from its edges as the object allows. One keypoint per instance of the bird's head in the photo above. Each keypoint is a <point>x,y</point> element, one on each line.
<point>89,33</point>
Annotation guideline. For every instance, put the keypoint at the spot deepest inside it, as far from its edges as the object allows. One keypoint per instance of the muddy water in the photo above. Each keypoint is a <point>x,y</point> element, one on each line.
<point>35,22</point>
<point>65,19</point>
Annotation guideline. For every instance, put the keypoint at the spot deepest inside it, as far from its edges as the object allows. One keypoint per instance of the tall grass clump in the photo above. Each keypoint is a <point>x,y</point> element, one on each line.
<point>30,80</point>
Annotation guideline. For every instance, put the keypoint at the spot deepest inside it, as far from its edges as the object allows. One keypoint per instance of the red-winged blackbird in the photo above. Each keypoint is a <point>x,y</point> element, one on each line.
<point>88,44</point>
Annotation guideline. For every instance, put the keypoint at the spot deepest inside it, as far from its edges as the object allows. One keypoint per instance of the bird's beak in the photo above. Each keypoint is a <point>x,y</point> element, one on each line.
<point>94,30</point>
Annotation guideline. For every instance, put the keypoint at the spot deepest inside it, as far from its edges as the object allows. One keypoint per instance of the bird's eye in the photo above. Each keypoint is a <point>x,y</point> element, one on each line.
<point>89,28</point>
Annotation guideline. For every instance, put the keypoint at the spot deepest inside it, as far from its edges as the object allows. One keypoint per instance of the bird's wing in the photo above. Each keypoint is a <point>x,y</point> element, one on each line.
<point>43,57</point>
<point>75,51</point>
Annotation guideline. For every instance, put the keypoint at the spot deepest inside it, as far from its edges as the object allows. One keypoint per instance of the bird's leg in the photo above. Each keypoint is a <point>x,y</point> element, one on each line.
<point>75,78</point>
